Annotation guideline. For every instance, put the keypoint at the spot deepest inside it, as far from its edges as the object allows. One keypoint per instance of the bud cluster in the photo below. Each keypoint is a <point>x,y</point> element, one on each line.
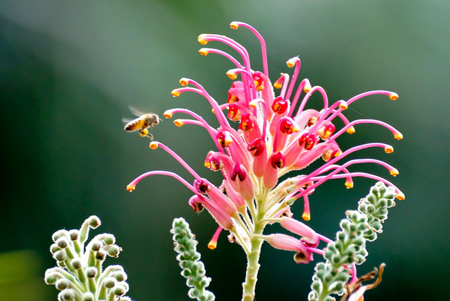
<point>189,260</point>
<point>349,248</point>
<point>375,207</point>
<point>79,275</point>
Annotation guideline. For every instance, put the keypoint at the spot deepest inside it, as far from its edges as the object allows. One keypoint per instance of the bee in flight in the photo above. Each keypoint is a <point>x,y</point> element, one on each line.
<point>142,123</point>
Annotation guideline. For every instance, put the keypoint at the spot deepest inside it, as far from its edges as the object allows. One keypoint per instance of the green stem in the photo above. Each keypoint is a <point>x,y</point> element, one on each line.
<point>323,295</point>
<point>252,266</point>
<point>251,276</point>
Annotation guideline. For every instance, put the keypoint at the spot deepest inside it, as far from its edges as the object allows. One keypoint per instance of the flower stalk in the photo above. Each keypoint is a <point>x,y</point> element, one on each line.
<point>251,275</point>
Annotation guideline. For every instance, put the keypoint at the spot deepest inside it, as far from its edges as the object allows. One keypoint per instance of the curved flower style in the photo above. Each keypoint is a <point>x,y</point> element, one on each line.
<point>276,134</point>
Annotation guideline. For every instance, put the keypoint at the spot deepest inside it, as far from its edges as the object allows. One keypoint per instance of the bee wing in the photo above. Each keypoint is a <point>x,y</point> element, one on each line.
<point>126,120</point>
<point>136,111</point>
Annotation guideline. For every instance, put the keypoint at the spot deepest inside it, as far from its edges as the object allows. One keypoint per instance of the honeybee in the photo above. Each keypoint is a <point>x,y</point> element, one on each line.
<point>142,123</point>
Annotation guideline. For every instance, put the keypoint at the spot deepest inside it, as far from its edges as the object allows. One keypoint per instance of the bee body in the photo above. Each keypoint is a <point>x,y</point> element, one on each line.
<point>142,123</point>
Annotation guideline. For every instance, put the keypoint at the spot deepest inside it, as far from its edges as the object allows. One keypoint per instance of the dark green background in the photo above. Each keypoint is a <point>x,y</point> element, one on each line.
<point>70,69</point>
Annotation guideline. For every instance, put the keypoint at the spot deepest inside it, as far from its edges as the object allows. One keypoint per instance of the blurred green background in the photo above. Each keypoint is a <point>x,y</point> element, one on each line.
<point>70,69</point>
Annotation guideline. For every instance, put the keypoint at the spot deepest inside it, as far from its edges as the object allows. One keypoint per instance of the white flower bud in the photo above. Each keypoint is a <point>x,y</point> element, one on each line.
<point>62,242</point>
<point>88,297</point>
<point>67,295</point>
<point>109,282</point>
<point>62,284</point>
<point>91,272</point>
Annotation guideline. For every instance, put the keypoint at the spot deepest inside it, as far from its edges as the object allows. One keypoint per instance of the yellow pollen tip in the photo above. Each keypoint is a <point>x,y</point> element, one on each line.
<point>394,172</point>
<point>212,245</point>
<point>203,52</point>
<point>291,63</point>
<point>168,114</point>
<point>153,145</point>
<point>279,82</point>
<point>306,216</point>
<point>400,196</point>
<point>131,187</point>
<point>234,25</point>
<point>348,185</point>
<point>343,105</point>
<point>398,136</point>
<point>178,123</point>
<point>393,96</point>
<point>253,103</point>
<point>232,75</point>
<point>351,130</point>
<point>389,149</point>
<point>175,93</point>
<point>338,153</point>
<point>207,164</point>
<point>202,40</point>
<point>184,81</point>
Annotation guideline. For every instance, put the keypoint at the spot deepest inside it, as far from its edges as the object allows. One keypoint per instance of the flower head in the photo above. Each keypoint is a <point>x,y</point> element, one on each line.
<point>262,134</point>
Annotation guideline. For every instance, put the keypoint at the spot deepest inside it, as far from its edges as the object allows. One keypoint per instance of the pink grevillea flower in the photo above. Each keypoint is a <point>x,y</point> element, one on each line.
<point>261,135</point>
